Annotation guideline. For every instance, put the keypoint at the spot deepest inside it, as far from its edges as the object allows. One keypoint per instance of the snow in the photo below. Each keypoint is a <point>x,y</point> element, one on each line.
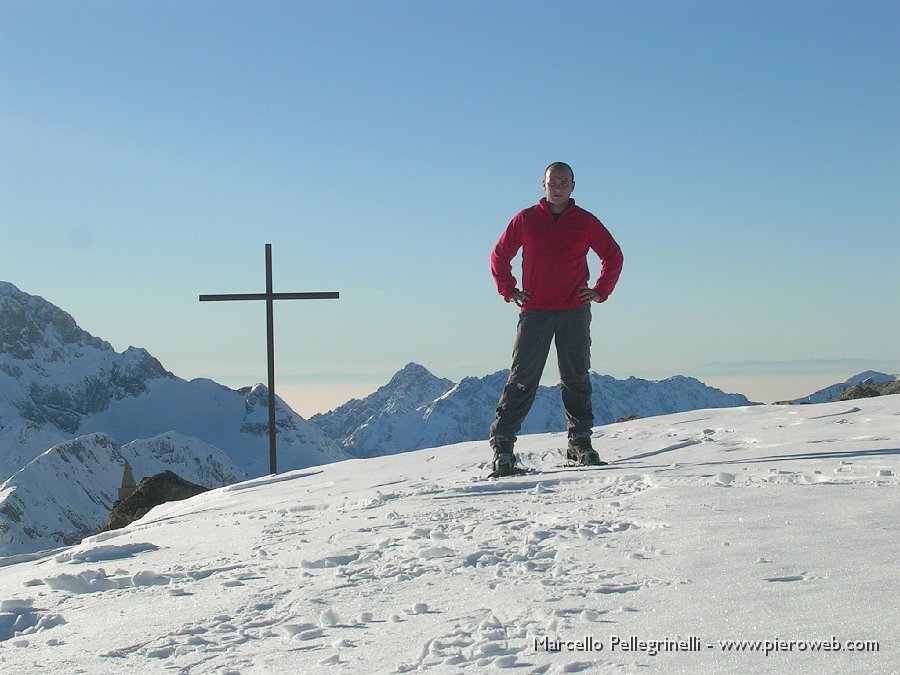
<point>768,523</point>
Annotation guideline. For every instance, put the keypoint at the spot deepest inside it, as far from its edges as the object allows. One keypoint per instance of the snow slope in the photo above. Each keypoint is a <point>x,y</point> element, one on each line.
<point>765,523</point>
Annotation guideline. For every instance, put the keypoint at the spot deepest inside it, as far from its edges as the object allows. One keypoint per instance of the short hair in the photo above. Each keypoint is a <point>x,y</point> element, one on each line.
<point>559,165</point>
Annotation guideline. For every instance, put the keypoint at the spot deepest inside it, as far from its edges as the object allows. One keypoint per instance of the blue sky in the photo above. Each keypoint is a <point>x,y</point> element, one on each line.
<point>744,154</point>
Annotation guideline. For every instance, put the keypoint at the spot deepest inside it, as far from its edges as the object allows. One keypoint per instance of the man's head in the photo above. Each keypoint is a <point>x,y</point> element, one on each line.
<point>559,182</point>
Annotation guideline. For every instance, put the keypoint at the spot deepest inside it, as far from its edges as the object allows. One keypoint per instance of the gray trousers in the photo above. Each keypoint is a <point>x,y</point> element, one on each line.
<point>571,329</point>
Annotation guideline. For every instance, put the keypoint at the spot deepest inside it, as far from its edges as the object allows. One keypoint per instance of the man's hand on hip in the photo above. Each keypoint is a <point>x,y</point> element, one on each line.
<point>521,298</point>
<point>588,295</point>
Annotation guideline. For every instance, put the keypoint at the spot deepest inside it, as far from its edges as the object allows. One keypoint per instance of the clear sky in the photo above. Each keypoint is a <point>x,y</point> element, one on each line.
<point>746,156</point>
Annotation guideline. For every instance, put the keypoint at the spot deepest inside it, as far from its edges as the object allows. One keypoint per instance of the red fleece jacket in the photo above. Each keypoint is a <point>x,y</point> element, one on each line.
<point>554,256</point>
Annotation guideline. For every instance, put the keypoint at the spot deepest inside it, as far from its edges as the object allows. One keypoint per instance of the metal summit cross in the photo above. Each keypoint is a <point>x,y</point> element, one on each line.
<point>269,296</point>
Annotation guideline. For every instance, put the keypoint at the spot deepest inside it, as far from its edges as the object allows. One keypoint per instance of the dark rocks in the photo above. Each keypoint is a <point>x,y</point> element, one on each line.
<point>868,389</point>
<point>628,418</point>
<point>159,489</point>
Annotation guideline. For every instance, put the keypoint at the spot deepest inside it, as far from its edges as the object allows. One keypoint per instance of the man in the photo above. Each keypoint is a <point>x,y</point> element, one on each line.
<point>555,236</point>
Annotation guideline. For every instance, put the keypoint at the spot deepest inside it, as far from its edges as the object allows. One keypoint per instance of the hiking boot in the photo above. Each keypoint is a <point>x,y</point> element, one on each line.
<point>504,459</point>
<point>504,464</point>
<point>581,453</point>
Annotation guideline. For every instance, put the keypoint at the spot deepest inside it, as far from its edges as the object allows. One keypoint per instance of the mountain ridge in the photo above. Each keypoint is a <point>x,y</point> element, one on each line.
<point>66,383</point>
<point>392,420</point>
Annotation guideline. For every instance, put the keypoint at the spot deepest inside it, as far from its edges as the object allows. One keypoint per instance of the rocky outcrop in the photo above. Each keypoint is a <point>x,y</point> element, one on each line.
<point>67,492</point>
<point>870,389</point>
<point>151,492</point>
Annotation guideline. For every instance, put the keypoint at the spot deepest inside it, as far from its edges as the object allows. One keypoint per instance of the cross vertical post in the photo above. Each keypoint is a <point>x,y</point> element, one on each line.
<point>270,296</point>
<point>270,358</point>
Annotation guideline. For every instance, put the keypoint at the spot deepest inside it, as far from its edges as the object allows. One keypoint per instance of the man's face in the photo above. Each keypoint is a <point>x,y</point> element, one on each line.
<point>558,186</point>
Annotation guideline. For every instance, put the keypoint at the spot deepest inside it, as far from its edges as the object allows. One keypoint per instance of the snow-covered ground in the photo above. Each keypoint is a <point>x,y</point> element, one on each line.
<point>769,524</point>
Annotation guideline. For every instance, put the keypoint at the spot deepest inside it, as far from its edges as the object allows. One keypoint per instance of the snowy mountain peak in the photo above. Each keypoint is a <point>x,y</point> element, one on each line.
<point>871,375</point>
<point>40,339</point>
<point>414,385</point>
<point>31,327</point>
<point>410,372</point>
<point>57,381</point>
<point>832,392</point>
<point>409,390</point>
<point>53,373</point>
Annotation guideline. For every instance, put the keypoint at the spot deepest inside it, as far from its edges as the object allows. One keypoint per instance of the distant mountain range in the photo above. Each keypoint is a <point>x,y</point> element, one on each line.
<point>73,411</point>
<point>418,410</point>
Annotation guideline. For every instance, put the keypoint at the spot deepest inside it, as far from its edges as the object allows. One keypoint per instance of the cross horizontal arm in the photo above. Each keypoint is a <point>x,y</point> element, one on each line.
<point>274,296</point>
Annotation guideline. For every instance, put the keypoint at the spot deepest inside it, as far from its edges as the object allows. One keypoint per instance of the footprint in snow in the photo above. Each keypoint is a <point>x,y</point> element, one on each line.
<point>436,552</point>
<point>787,579</point>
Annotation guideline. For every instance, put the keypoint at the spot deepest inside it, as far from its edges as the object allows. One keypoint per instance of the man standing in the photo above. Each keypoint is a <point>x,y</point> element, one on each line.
<point>555,236</point>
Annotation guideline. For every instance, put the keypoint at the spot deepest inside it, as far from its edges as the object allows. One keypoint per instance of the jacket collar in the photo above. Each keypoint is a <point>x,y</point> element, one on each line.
<point>544,205</point>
